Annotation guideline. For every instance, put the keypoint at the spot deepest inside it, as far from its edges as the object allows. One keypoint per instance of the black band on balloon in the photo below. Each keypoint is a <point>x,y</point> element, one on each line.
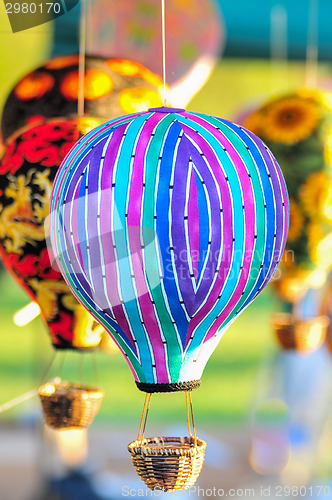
<point>71,347</point>
<point>178,386</point>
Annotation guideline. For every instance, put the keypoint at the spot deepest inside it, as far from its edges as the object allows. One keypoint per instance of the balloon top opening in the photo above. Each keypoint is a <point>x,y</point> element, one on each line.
<point>166,109</point>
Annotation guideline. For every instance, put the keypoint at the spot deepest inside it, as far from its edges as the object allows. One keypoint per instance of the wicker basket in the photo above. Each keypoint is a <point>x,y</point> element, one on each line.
<point>302,335</point>
<point>69,405</point>
<point>168,463</point>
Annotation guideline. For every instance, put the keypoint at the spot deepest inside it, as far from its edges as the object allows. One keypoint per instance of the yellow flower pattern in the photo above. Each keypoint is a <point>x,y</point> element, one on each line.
<point>290,120</point>
<point>298,130</point>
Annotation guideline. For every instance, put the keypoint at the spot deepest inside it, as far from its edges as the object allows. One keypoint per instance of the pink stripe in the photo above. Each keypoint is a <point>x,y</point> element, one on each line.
<point>286,205</point>
<point>227,222</point>
<point>250,218</point>
<point>134,221</point>
<point>74,218</point>
<point>193,220</point>
<point>112,275</point>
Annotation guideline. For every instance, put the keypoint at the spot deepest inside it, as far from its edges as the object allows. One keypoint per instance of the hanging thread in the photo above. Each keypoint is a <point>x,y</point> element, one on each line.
<point>95,369</point>
<point>145,412</point>
<point>192,418</point>
<point>19,399</point>
<point>312,45</point>
<point>188,416</point>
<point>48,368</point>
<point>27,395</point>
<point>279,48</point>
<point>81,61</point>
<point>163,37</point>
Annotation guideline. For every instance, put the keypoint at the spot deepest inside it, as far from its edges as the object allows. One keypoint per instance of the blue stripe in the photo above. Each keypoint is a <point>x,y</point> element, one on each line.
<point>162,208</point>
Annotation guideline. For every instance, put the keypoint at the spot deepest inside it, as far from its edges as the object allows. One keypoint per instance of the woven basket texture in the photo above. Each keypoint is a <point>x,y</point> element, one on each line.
<point>168,463</point>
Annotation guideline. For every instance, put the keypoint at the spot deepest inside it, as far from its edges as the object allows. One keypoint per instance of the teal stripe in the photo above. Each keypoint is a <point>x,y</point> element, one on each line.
<point>125,284</point>
<point>151,262</point>
<point>236,195</point>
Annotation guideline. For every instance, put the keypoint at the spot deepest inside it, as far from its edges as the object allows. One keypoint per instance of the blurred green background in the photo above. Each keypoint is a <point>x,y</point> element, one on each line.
<point>230,382</point>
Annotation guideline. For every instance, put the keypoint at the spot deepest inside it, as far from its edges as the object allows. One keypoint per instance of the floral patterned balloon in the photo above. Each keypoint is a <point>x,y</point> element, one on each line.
<point>27,171</point>
<point>298,130</point>
<point>112,87</point>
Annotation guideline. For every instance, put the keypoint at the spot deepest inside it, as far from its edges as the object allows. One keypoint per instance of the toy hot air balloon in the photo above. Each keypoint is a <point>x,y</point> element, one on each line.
<point>27,170</point>
<point>297,128</point>
<point>166,225</point>
<point>195,39</point>
<point>112,87</point>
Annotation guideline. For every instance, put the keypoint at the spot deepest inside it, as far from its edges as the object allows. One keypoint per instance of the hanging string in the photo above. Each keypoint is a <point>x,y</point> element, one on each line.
<point>146,416</point>
<point>27,395</point>
<point>163,38</point>
<point>62,359</point>
<point>19,399</point>
<point>145,412</point>
<point>279,48</point>
<point>312,45</point>
<point>80,367</point>
<point>48,368</point>
<point>95,369</point>
<point>188,416</point>
<point>81,61</point>
<point>192,418</point>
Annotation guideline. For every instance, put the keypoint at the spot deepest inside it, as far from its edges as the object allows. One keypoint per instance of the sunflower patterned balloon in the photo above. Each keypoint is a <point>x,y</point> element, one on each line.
<point>112,87</point>
<point>27,170</point>
<point>298,130</point>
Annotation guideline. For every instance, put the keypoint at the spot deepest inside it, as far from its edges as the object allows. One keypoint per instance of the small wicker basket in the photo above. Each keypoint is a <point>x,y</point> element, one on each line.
<point>302,335</point>
<point>168,463</point>
<point>68,405</point>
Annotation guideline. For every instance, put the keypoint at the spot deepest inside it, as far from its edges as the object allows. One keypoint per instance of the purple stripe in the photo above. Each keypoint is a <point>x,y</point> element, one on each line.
<point>133,233</point>
<point>226,223</point>
<point>277,187</point>
<point>250,223</point>
<point>192,300</point>
<point>193,223</point>
<point>106,210</point>
<point>250,218</point>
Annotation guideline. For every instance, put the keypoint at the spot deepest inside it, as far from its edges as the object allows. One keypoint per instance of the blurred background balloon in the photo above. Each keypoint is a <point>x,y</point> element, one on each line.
<point>27,170</point>
<point>195,39</point>
<point>112,87</point>
<point>297,127</point>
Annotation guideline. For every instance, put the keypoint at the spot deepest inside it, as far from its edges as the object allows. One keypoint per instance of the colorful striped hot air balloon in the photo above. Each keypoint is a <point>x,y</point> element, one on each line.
<point>166,225</point>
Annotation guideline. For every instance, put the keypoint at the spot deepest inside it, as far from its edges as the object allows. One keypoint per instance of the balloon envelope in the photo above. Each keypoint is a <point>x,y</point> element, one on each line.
<point>27,170</point>
<point>166,225</point>
<point>297,127</point>
<point>112,87</point>
<point>194,39</point>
